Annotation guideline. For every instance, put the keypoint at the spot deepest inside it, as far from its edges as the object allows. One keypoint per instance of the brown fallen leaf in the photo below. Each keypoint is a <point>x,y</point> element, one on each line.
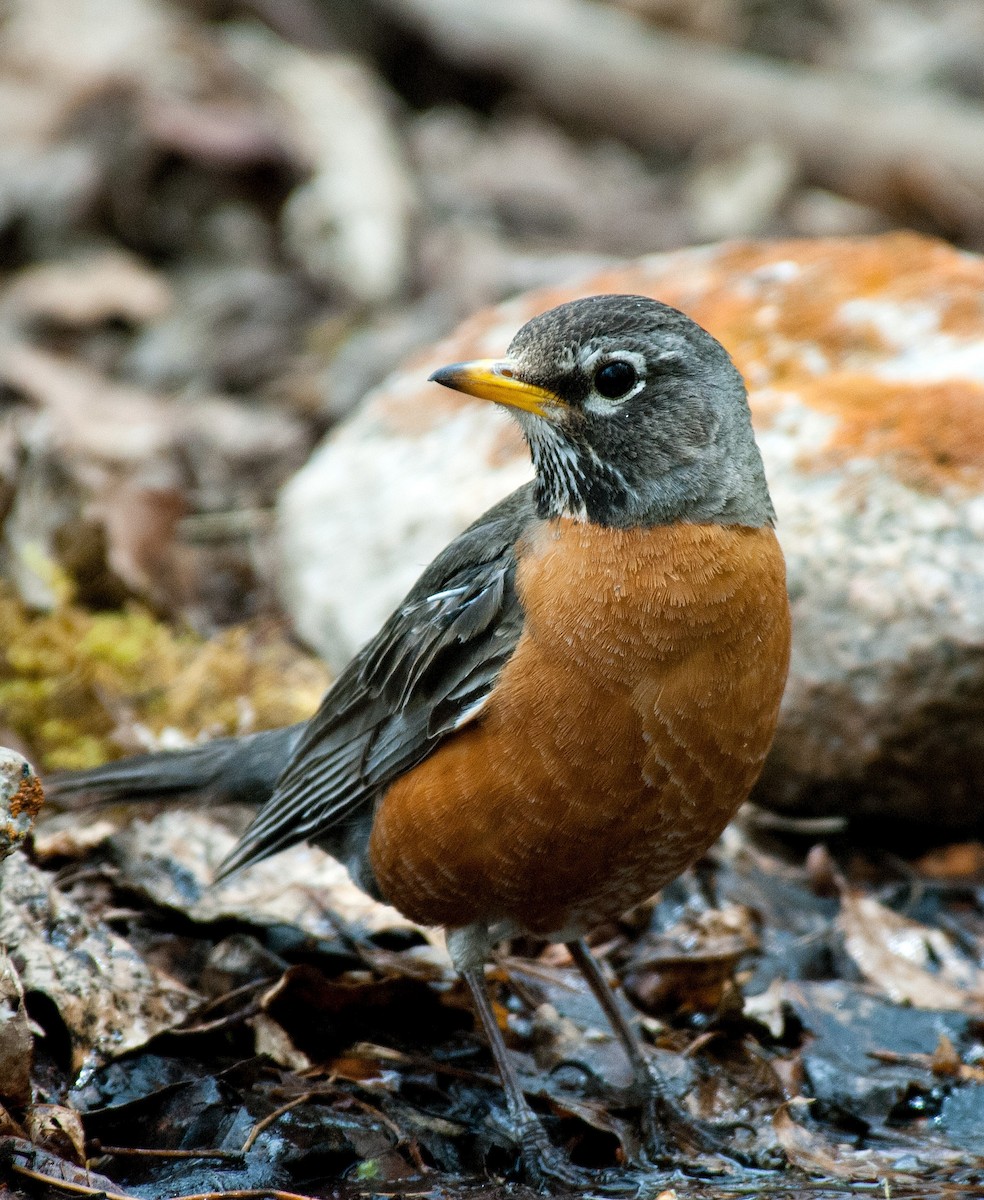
<point>141,524</point>
<point>895,953</point>
<point>691,967</point>
<point>95,422</point>
<point>58,1129</point>
<point>16,1038</point>
<point>172,859</point>
<point>959,860</point>
<point>946,1060</point>
<point>809,1152</point>
<point>271,1039</point>
<point>34,1162</point>
<point>9,1127</point>
<point>101,431</point>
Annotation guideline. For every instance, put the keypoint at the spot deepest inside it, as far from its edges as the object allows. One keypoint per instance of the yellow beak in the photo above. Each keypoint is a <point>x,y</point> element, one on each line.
<point>491,380</point>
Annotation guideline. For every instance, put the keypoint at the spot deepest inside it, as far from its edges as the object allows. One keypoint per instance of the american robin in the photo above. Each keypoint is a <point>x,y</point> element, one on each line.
<point>580,690</point>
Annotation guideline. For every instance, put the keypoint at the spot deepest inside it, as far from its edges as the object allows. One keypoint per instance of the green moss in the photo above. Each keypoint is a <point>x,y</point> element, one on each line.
<point>78,687</point>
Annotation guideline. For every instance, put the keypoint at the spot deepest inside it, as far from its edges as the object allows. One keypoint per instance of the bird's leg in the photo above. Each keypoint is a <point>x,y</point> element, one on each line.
<point>660,1111</point>
<point>545,1164</point>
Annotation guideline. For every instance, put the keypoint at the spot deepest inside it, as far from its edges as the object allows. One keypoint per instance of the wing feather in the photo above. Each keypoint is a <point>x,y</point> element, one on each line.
<point>428,671</point>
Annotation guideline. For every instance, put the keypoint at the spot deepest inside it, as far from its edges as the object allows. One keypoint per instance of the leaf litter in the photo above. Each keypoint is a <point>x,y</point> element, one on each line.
<point>284,1032</point>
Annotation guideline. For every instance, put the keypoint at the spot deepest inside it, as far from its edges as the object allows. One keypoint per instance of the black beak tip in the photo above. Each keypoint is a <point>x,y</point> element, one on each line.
<point>444,375</point>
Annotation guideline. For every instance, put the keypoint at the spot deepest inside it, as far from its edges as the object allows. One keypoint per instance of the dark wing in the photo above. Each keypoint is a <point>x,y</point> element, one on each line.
<point>426,673</point>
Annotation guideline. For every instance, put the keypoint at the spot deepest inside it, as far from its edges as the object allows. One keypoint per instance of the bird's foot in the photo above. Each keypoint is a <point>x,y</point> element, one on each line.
<point>670,1133</point>
<point>547,1168</point>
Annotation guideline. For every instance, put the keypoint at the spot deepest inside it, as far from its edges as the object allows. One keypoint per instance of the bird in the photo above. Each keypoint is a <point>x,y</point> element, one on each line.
<point>576,696</point>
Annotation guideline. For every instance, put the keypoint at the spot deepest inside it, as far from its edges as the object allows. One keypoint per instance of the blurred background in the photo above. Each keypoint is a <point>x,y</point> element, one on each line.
<point>223,221</point>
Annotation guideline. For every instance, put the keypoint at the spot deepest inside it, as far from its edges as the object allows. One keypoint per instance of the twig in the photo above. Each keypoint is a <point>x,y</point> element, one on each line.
<point>699,1043</point>
<point>80,1189</point>
<point>384,1054</point>
<point>402,1138</point>
<point>98,1148</point>
<point>269,1119</point>
<point>235,1018</point>
<point>591,62</point>
<point>244,989</point>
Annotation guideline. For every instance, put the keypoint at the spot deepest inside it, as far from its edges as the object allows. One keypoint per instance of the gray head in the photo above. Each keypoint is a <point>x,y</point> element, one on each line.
<point>634,415</point>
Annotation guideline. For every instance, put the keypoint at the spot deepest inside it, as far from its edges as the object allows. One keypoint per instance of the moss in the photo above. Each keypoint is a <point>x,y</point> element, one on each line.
<point>78,687</point>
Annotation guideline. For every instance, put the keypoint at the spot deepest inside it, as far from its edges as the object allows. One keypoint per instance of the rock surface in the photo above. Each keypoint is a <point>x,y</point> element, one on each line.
<point>865,365</point>
<point>21,797</point>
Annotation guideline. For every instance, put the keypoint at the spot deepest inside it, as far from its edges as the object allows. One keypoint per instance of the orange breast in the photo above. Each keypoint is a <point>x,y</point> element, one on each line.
<point>623,734</point>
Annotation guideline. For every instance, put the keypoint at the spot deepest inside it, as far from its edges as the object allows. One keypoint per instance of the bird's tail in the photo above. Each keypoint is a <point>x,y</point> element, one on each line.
<point>243,769</point>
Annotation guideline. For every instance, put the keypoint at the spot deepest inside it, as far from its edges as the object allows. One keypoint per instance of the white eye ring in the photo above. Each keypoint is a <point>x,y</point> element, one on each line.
<point>596,361</point>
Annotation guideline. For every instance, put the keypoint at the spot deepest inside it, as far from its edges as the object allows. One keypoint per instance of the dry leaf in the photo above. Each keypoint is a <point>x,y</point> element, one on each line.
<point>837,1160</point>
<point>691,965</point>
<point>173,859</point>
<point>946,1062</point>
<point>16,1038</point>
<point>58,1129</point>
<point>141,525</point>
<point>959,860</point>
<point>110,1000</point>
<point>9,1128</point>
<point>275,1042</point>
<point>809,1153</point>
<point>768,1008</point>
<point>894,953</point>
<point>63,835</point>
<point>348,222</point>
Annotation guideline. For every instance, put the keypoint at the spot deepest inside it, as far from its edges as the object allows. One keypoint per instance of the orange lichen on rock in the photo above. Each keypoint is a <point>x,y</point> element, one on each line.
<point>28,798</point>
<point>932,433</point>
<point>21,798</point>
<point>779,307</point>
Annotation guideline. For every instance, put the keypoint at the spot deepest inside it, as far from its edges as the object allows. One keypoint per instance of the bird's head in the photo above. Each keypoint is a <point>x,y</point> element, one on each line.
<point>634,415</point>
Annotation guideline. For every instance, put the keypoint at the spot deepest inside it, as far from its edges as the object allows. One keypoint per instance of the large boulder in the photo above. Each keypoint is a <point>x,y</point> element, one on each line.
<point>865,366</point>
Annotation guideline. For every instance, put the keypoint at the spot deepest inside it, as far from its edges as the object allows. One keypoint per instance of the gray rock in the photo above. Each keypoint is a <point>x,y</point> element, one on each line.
<point>21,798</point>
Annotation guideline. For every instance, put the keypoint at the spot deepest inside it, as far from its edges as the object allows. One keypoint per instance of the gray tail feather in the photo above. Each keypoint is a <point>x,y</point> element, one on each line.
<point>243,769</point>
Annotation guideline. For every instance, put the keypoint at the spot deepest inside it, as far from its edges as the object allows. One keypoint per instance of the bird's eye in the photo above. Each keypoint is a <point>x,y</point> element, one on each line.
<point>614,379</point>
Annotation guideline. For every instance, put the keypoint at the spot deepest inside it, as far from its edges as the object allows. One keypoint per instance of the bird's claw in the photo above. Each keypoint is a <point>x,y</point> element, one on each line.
<point>668,1128</point>
<point>548,1168</point>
